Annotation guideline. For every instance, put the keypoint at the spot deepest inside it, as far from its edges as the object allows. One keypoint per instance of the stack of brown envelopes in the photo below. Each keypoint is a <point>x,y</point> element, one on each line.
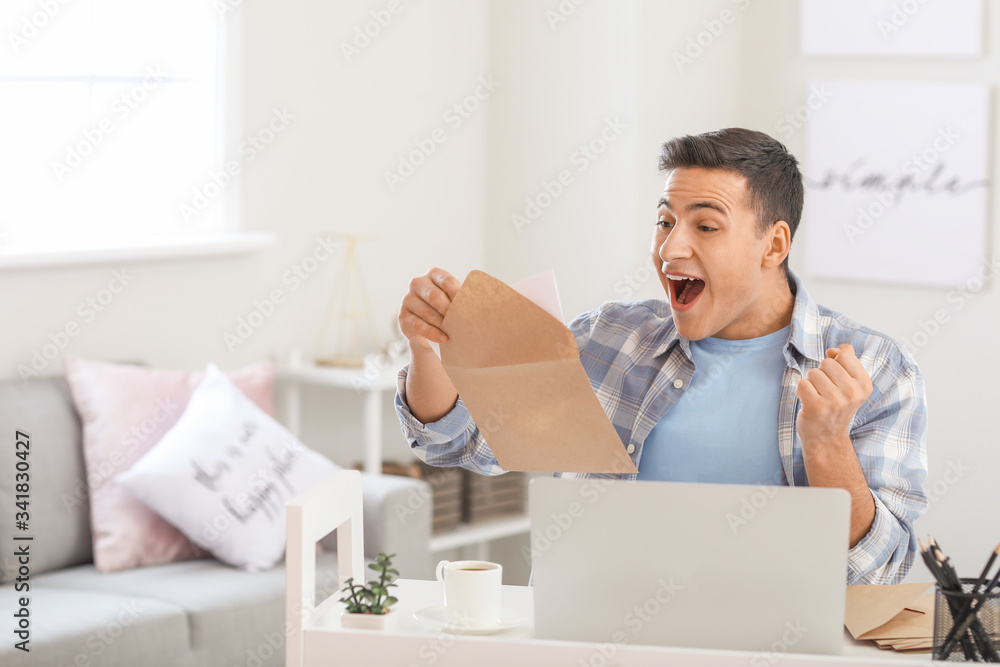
<point>894,617</point>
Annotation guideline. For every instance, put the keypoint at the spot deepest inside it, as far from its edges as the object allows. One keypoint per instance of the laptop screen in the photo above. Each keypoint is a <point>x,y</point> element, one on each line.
<point>696,565</point>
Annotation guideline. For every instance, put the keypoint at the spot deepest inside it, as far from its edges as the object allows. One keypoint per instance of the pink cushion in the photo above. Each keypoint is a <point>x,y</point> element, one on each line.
<point>125,410</point>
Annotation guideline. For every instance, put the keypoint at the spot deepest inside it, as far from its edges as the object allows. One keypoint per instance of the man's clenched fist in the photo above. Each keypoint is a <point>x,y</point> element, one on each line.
<point>831,395</point>
<point>425,305</point>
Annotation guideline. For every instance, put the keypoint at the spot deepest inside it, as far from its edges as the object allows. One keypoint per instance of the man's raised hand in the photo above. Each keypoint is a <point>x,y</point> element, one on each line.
<point>425,304</point>
<point>831,395</point>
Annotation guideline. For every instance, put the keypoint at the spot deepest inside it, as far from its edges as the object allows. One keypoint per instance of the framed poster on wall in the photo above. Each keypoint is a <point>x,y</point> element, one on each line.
<point>896,182</point>
<point>903,28</point>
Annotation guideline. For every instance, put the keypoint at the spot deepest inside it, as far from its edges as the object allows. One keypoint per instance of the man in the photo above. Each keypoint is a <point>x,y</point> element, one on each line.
<point>737,377</point>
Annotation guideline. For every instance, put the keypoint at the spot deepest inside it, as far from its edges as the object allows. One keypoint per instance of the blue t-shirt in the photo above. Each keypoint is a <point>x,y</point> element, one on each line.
<point>725,427</point>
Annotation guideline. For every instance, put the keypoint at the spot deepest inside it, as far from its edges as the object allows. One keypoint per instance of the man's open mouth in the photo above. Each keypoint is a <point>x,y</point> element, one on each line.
<point>684,291</point>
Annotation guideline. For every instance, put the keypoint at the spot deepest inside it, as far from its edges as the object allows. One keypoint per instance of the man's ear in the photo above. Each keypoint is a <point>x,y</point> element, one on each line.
<point>779,242</point>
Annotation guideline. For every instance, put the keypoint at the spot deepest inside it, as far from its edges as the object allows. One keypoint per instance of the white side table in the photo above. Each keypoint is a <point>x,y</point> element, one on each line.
<point>374,384</point>
<point>371,382</point>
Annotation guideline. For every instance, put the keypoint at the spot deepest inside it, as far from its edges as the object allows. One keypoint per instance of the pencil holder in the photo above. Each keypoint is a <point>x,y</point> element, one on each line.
<point>966,625</point>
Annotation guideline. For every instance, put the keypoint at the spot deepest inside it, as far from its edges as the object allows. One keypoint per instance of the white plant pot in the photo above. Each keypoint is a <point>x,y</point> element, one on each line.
<point>383,622</point>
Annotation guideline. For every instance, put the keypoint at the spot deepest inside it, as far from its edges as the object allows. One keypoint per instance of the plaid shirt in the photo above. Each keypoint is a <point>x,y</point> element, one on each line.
<point>639,366</point>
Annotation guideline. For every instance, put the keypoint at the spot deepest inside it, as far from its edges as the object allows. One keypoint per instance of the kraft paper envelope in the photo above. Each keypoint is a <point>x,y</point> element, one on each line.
<point>907,646</point>
<point>906,624</point>
<point>518,371</point>
<point>541,289</point>
<point>914,623</point>
<point>870,608</point>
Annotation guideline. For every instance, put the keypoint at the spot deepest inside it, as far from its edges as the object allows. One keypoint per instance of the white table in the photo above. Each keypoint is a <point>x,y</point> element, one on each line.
<point>416,643</point>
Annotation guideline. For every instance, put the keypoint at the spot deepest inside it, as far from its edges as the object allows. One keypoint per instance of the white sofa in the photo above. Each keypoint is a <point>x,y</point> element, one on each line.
<point>198,612</point>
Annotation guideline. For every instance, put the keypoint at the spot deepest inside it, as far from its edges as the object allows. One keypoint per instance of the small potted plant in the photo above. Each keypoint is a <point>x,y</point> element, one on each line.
<point>368,607</point>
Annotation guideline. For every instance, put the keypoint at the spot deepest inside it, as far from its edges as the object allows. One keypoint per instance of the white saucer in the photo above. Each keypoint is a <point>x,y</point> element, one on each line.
<point>438,616</point>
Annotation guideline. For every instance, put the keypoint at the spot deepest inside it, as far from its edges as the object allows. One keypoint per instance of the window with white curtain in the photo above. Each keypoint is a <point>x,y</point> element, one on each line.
<point>110,119</point>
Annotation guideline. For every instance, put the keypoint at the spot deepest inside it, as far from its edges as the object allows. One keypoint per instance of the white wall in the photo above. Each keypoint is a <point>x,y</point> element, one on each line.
<point>357,118</point>
<point>569,111</point>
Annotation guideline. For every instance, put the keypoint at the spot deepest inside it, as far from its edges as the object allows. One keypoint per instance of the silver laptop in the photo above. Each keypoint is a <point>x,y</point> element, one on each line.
<point>748,568</point>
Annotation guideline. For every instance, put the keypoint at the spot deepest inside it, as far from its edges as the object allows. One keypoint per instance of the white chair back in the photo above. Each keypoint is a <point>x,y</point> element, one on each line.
<point>333,504</point>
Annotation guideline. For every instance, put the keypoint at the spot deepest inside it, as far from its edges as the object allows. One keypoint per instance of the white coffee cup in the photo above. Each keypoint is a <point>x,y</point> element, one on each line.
<point>471,592</point>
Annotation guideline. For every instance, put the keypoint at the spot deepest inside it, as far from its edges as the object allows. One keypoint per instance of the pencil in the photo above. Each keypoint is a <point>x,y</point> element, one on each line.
<point>986,570</point>
<point>993,582</point>
<point>944,565</point>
